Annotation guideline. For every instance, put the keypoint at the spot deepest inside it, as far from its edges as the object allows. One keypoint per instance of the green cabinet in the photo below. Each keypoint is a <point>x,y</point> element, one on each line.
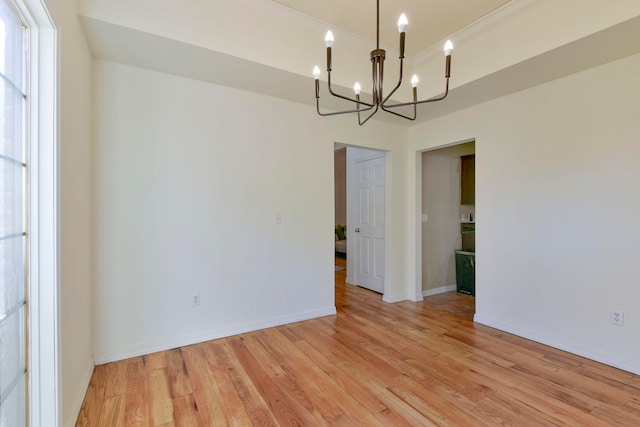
<point>466,272</point>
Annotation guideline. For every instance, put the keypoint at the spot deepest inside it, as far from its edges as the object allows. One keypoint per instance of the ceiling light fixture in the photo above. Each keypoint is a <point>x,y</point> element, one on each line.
<point>379,101</point>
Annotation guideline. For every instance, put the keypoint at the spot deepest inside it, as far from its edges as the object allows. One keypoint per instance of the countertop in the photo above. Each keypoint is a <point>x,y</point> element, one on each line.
<point>461,252</point>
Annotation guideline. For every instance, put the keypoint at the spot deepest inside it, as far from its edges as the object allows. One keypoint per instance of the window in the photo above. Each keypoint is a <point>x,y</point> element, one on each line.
<point>28,216</point>
<point>13,224</point>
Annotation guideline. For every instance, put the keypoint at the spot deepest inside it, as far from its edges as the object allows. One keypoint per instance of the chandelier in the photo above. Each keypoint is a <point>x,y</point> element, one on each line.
<point>378,100</point>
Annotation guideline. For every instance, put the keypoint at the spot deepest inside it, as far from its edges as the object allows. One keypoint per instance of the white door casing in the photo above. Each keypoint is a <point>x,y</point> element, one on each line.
<point>369,224</point>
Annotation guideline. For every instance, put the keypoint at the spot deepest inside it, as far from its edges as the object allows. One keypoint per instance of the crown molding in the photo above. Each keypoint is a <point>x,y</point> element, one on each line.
<point>501,14</point>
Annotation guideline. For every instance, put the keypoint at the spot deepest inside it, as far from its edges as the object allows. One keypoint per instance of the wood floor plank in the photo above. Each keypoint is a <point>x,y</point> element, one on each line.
<point>116,379</point>
<point>112,414</point>
<point>92,405</point>
<point>137,397</point>
<point>358,391</point>
<point>155,361</point>
<point>254,403</point>
<point>433,405</point>
<point>285,410</point>
<point>161,402</point>
<point>186,411</point>
<point>373,364</point>
<point>336,406</point>
<point>500,380</point>
<point>179,382</point>
<point>205,392</point>
<point>290,384</point>
<point>220,388</point>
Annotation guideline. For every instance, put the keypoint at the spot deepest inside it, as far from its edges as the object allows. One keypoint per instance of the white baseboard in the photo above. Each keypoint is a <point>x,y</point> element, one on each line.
<point>440,290</point>
<point>589,353</point>
<point>152,347</point>
<point>395,298</point>
<point>72,417</point>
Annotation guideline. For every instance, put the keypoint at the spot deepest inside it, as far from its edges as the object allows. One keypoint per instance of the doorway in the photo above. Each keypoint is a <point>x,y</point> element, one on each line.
<point>366,205</point>
<point>360,205</point>
<point>443,213</point>
<point>340,207</point>
<point>368,213</point>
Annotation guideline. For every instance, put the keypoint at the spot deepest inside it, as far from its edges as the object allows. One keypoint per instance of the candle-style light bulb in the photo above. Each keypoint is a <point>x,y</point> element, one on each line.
<point>316,72</point>
<point>414,81</point>
<point>328,39</point>
<point>402,23</point>
<point>357,88</point>
<point>448,48</point>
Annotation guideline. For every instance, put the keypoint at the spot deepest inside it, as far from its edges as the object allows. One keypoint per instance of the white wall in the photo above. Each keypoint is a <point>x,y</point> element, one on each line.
<point>261,31</point>
<point>441,203</point>
<point>187,179</point>
<point>74,118</point>
<point>513,35</point>
<point>557,194</point>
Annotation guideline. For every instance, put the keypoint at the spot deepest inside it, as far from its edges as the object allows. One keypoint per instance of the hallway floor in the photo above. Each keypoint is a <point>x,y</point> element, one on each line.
<point>453,302</point>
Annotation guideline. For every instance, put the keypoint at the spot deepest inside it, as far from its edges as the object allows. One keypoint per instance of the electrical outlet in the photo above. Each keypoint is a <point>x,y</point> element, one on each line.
<point>617,317</point>
<point>195,300</point>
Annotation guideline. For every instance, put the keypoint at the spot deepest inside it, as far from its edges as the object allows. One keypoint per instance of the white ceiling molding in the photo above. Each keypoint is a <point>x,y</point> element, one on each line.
<point>508,11</point>
<point>429,20</point>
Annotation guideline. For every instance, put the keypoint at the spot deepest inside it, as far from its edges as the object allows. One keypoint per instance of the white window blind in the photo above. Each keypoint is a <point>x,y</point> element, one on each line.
<point>13,225</point>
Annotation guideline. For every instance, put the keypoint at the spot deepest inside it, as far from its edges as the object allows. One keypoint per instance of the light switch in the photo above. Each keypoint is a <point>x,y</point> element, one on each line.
<point>425,217</point>
<point>277,219</point>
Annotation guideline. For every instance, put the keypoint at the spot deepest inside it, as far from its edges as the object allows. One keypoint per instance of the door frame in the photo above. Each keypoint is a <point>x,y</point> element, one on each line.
<point>418,270</point>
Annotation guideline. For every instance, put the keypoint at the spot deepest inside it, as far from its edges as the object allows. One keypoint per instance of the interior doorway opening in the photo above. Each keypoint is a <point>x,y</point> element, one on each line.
<point>360,209</point>
<point>448,221</point>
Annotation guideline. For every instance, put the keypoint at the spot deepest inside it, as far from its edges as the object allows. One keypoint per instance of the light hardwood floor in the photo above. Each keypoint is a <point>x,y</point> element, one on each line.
<point>453,302</point>
<point>374,364</point>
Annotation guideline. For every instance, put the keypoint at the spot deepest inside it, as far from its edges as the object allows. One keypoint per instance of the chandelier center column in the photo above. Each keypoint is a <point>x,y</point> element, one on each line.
<point>377,71</point>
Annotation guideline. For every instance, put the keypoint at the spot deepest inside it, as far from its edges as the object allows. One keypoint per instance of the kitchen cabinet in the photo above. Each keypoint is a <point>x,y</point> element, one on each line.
<point>466,272</point>
<point>468,180</point>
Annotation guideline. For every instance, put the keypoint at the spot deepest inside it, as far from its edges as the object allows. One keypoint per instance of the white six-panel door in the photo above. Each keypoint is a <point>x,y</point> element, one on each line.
<point>369,224</point>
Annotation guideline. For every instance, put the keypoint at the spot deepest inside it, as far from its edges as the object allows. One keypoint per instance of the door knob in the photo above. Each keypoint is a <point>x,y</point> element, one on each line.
<point>357,230</point>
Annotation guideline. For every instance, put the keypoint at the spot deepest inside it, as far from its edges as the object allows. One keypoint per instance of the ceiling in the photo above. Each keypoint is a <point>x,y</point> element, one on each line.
<point>128,42</point>
<point>430,21</point>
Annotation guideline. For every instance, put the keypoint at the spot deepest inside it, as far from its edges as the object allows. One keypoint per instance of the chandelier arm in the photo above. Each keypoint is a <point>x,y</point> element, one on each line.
<point>400,74</point>
<point>329,66</point>
<point>397,86</point>
<point>336,113</point>
<point>392,92</point>
<point>345,97</point>
<point>360,122</point>
<point>424,101</point>
<point>415,109</point>
<point>402,115</point>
